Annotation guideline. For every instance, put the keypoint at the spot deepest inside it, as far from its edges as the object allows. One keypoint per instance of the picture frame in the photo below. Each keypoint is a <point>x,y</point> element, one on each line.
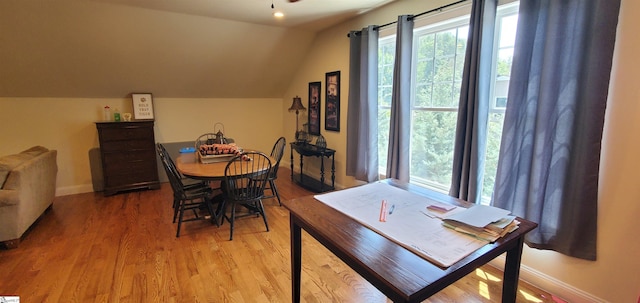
<point>314,108</point>
<point>332,101</point>
<point>142,106</point>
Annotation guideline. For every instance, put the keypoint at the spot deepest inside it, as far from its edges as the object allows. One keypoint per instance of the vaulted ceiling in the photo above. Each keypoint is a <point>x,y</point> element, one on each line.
<point>172,48</point>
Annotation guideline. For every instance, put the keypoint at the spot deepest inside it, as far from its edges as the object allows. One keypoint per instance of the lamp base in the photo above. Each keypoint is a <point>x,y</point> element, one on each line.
<point>302,137</point>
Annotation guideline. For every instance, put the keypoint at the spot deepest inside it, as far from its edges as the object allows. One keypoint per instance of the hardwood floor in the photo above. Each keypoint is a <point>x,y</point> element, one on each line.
<point>122,248</point>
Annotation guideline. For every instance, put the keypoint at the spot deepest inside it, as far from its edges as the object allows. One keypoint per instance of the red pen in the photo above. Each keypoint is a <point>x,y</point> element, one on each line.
<point>383,211</point>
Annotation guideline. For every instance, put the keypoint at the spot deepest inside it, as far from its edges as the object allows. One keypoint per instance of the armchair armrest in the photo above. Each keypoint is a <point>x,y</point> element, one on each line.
<point>8,197</point>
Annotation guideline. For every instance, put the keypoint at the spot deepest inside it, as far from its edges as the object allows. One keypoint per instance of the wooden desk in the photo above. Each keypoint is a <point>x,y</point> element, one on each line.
<point>397,272</point>
<point>190,166</point>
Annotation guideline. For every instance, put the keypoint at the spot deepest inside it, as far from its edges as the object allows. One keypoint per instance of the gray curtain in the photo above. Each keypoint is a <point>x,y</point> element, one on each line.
<point>400,128</point>
<point>473,109</point>
<point>362,114</point>
<point>550,151</point>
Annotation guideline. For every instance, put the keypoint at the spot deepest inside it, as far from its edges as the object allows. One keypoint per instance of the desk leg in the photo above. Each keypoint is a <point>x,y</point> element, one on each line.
<point>512,272</point>
<point>291,162</point>
<point>301,167</point>
<point>333,170</point>
<point>296,260</point>
<point>321,173</point>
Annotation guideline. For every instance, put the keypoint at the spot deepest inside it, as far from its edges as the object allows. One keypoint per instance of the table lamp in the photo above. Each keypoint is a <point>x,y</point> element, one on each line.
<point>297,107</point>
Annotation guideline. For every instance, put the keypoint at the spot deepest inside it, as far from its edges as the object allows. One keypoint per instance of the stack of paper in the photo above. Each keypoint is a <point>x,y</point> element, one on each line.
<point>483,222</point>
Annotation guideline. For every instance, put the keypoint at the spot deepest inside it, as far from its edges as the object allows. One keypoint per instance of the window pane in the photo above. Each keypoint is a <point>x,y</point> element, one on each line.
<point>386,53</point>
<point>446,42</point>
<point>442,94</point>
<point>438,74</point>
<point>494,134</point>
<point>384,116</point>
<point>505,58</point>
<point>424,70</point>
<point>384,96</point>
<point>425,45</point>
<point>444,68</point>
<point>455,101</point>
<point>463,33</point>
<point>432,140</point>
<point>508,30</point>
<point>386,57</point>
<point>385,76</point>
<point>507,21</point>
<point>424,92</point>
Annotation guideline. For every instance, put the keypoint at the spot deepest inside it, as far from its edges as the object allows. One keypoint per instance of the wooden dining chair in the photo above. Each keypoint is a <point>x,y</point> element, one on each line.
<point>244,183</point>
<point>188,197</point>
<point>187,182</point>
<point>276,153</point>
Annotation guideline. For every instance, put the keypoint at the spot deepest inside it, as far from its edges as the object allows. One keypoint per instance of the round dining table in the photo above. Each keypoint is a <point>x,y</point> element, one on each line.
<point>189,165</point>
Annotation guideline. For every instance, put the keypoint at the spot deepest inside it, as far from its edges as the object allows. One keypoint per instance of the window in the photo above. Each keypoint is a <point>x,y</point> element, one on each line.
<point>438,62</point>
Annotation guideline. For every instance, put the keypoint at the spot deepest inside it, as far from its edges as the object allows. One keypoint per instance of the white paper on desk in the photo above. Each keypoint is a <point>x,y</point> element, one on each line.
<point>407,225</point>
<point>479,215</point>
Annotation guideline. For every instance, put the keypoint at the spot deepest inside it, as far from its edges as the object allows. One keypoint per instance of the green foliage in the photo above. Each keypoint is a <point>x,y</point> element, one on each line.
<point>432,140</point>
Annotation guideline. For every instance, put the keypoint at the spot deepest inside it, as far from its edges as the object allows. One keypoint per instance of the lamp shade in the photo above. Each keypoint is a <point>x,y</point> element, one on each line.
<point>297,105</point>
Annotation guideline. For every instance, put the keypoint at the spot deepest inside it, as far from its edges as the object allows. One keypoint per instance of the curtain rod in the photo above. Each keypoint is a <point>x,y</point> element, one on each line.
<point>415,16</point>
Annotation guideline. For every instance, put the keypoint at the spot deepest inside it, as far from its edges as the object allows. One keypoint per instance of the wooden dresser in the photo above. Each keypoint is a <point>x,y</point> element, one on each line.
<point>128,156</point>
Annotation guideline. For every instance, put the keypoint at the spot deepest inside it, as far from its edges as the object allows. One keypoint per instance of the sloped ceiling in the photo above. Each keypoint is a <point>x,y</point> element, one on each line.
<point>110,48</point>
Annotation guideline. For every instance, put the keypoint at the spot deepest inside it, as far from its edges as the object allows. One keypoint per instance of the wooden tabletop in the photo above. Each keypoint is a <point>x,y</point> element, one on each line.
<point>190,166</point>
<point>400,274</point>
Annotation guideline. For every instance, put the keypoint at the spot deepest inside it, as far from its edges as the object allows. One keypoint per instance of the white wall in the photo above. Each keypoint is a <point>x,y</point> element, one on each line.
<point>67,125</point>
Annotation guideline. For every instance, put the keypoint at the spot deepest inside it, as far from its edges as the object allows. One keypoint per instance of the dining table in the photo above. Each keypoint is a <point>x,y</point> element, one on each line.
<point>190,165</point>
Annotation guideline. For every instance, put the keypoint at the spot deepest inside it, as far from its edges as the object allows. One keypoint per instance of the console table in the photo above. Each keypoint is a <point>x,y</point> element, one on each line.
<point>307,150</point>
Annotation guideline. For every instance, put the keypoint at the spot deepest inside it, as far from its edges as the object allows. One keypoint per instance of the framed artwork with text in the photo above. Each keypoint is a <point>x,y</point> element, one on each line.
<point>142,106</point>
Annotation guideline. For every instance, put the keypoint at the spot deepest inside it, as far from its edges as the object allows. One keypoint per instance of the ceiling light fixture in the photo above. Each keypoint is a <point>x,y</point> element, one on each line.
<point>278,14</point>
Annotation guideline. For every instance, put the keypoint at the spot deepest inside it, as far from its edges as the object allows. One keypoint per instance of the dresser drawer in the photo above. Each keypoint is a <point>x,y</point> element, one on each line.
<point>126,158</point>
<point>120,167</point>
<point>128,145</point>
<point>109,134</point>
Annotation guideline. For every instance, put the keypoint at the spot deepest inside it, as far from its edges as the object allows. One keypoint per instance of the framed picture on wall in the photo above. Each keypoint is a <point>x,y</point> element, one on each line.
<point>314,108</point>
<point>332,101</point>
<point>142,106</point>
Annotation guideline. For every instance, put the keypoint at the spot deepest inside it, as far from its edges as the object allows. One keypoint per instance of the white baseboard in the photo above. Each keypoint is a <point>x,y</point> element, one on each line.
<point>76,189</point>
<point>549,284</point>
